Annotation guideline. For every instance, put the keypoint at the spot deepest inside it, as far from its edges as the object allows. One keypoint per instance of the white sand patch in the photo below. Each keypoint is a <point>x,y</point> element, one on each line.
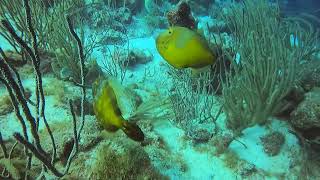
<point>201,165</point>
<point>254,153</point>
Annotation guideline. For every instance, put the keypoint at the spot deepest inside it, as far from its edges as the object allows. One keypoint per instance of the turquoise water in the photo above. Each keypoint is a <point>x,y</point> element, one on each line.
<point>141,89</point>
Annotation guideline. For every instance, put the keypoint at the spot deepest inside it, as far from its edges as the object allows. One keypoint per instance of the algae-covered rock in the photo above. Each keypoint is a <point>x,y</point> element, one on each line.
<point>309,74</point>
<point>5,105</point>
<point>121,159</point>
<point>307,114</point>
<point>63,133</point>
<point>138,56</point>
<point>306,118</point>
<point>182,16</point>
<point>272,143</point>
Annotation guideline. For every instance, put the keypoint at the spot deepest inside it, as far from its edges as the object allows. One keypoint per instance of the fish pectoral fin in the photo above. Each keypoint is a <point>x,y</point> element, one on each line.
<point>133,131</point>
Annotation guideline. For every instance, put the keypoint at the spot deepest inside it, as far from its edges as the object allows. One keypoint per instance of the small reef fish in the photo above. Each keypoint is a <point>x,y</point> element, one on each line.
<point>108,113</point>
<point>184,48</point>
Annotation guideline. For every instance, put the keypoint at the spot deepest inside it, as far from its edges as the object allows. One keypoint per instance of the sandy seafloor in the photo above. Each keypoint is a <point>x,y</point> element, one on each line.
<point>201,164</point>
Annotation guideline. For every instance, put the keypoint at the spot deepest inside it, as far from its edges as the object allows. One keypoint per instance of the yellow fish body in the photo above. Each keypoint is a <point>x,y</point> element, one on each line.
<point>108,113</point>
<point>184,48</point>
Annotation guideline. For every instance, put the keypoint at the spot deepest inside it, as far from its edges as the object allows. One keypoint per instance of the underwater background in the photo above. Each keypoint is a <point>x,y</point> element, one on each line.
<point>160,89</point>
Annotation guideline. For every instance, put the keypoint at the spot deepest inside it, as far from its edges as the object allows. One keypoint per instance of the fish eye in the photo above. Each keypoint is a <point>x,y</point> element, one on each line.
<point>170,32</point>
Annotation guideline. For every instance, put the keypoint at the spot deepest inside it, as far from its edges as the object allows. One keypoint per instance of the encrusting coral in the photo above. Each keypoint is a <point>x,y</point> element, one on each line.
<point>307,114</point>
<point>182,17</point>
<point>272,143</point>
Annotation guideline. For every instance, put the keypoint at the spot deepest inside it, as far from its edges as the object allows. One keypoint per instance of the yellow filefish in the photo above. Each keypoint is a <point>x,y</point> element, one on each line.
<point>184,48</point>
<point>108,113</point>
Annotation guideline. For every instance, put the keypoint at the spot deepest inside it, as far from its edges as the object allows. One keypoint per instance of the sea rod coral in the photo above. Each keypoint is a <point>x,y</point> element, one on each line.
<point>30,138</point>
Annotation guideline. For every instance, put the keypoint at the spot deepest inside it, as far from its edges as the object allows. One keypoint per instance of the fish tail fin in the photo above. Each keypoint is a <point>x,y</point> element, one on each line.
<point>132,130</point>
